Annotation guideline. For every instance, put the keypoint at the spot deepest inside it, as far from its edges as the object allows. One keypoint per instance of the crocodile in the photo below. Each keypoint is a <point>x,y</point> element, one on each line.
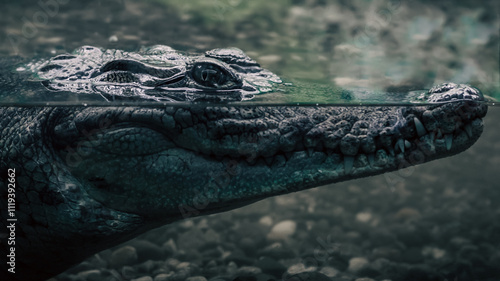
<point>86,178</point>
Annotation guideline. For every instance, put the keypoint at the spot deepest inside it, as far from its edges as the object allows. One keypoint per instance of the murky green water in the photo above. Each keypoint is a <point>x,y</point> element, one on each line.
<point>378,49</point>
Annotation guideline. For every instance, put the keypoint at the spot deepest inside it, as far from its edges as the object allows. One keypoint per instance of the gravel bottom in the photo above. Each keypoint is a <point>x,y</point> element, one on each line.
<point>439,221</point>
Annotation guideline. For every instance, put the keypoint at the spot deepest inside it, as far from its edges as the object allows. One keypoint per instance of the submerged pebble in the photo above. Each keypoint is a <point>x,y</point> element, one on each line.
<point>299,268</point>
<point>363,217</point>
<point>266,221</point>
<point>90,275</point>
<point>358,264</point>
<point>329,271</point>
<point>162,277</point>
<point>249,270</point>
<point>282,230</point>
<point>144,278</point>
<point>309,276</point>
<point>270,266</point>
<point>147,250</point>
<point>169,247</point>
<point>276,251</point>
<point>197,278</point>
<point>126,255</point>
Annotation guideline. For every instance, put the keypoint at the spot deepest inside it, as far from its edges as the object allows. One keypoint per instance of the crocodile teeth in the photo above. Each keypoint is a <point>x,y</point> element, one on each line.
<point>348,163</point>
<point>401,144</point>
<point>449,141</point>
<point>468,130</point>
<point>420,127</point>
<point>407,144</point>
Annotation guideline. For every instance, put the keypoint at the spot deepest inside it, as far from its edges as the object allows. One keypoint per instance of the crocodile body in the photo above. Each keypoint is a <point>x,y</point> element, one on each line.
<point>88,178</point>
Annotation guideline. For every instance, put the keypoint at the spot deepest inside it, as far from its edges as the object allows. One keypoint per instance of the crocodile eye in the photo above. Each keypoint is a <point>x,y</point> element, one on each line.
<point>214,76</point>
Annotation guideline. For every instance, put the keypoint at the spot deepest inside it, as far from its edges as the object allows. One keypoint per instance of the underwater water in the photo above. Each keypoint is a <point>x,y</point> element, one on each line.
<point>435,221</point>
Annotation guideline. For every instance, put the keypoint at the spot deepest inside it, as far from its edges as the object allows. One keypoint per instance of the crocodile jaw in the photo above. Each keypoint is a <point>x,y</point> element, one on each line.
<point>198,160</point>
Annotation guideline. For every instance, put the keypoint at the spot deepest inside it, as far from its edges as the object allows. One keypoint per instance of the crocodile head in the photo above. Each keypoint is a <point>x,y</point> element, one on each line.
<point>180,161</point>
<point>98,176</point>
<point>157,73</point>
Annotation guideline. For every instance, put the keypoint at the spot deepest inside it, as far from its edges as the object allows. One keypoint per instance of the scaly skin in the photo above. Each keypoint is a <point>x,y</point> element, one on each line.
<point>89,178</point>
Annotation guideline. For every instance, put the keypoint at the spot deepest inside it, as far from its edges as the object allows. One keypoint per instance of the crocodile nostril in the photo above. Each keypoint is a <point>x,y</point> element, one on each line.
<point>453,92</point>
